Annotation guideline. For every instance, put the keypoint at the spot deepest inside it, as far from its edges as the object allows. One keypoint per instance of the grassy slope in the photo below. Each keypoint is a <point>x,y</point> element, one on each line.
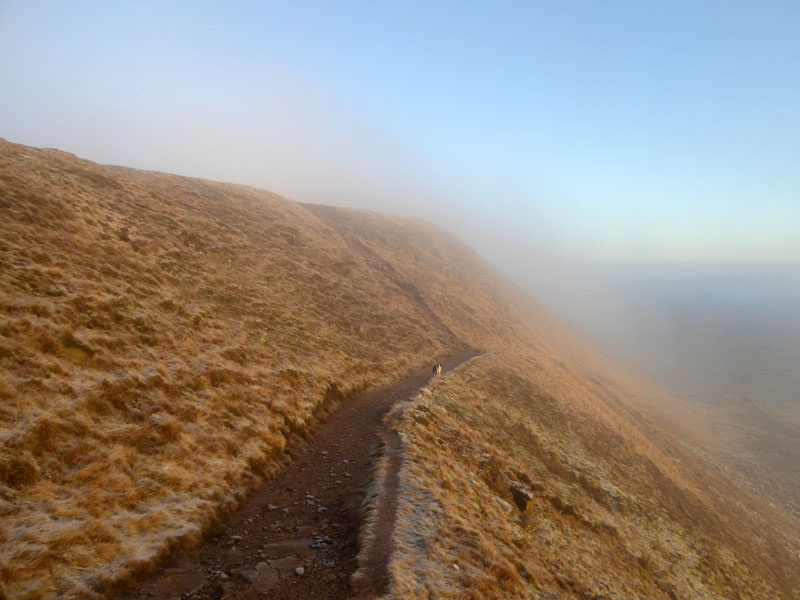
<point>623,506</point>
<point>161,338</point>
<point>608,518</point>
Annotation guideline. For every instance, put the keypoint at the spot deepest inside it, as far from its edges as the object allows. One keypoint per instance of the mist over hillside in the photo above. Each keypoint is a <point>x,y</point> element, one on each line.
<point>708,332</point>
<point>723,338</point>
<point>163,339</point>
<point>238,240</point>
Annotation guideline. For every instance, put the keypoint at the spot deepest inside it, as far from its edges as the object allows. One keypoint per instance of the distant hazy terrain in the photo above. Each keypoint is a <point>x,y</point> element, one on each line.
<point>710,333</point>
<point>724,338</point>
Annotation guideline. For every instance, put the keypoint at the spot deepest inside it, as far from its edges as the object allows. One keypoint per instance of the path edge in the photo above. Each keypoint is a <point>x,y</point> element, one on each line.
<point>370,580</point>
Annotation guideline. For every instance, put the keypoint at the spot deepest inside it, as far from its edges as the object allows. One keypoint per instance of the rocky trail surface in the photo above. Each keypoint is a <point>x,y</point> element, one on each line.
<point>296,537</point>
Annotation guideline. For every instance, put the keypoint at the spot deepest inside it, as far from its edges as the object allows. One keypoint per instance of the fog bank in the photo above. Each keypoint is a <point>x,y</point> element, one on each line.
<point>711,333</point>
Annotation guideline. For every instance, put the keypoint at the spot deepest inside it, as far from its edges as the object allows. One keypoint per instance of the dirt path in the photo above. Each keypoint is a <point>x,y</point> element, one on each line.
<point>296,538</point>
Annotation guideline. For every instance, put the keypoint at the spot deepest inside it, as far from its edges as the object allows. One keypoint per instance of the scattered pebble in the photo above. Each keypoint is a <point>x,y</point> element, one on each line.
<point>320,541</point>
<point>299,570</point>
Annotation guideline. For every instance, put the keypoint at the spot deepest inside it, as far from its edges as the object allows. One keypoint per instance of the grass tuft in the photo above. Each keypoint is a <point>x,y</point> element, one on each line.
<point>18,469</point>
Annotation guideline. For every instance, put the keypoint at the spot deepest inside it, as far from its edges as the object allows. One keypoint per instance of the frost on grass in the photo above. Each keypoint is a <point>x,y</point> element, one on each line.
<point>161,340</point>
<point>607,515</point>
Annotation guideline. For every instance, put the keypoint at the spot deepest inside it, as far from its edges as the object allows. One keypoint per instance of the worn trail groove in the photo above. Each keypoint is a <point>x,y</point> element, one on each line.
<point>296,537</point>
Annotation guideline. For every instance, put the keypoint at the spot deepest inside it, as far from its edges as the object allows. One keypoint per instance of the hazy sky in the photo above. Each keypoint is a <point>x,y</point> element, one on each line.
<point>603,130</point>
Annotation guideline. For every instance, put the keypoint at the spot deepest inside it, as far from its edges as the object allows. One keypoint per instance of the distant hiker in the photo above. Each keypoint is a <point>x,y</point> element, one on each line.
<point>437,369</point>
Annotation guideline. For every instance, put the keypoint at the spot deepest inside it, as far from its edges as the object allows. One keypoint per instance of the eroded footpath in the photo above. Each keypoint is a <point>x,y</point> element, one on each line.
<point>296,537</point>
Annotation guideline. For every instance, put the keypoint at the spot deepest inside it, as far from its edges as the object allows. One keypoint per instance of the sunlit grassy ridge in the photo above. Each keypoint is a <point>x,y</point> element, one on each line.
<point>622,505</point>
<point>162,338</point>
<point>605,520</point>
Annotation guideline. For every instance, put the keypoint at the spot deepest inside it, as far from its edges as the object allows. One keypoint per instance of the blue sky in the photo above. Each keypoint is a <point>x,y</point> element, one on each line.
<point>606,131</point>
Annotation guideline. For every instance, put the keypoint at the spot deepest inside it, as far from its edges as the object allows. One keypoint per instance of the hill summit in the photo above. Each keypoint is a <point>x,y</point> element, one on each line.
<point>163,338</point>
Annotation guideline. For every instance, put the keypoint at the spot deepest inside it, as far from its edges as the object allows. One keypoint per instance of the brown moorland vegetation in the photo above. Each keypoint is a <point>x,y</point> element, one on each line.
<point>616,501</point>
<point>510,492</point>
<point>162,338</point>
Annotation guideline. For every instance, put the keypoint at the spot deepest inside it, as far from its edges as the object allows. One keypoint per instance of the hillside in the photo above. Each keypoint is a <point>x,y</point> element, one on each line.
<point>162,339</point>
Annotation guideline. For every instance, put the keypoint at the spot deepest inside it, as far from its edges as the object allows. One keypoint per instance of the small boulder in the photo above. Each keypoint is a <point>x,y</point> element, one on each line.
<point>182,582</point>
<point>504,505</point>
<point>262,577</point>
<point>232,556</point>
<point>287,563</point>
<point>299,547</point>
<point>522,496</point>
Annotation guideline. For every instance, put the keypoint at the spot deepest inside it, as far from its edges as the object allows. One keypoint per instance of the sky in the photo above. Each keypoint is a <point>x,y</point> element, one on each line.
<point>616,131</point>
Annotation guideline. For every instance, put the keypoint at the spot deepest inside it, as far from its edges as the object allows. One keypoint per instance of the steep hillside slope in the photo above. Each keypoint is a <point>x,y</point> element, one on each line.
<point>163,338</point>
<point>541,472</point>
<point>510,492</point>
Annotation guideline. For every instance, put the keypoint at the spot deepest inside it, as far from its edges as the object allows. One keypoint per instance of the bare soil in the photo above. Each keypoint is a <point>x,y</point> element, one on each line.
<point>307,516</point>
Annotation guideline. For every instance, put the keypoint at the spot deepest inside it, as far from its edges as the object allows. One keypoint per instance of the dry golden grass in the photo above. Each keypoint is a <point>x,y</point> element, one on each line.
<point>613,514</point>
<point>624,507</point>
<point>162,339</point>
